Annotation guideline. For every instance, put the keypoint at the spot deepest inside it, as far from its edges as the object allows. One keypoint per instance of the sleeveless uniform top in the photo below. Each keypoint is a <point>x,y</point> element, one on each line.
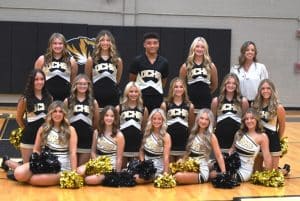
<point>57,68</point>
<point>229,109</point>
<point>104,69</point>
<point>39,110</point>
<point>177,114</point>
<point>131,117</point>
<point>81,111</point>
<point>106,145</point>
<point>198,73</point>
<point>199,148</point>
<point>154,146</point>
<point>268,121</point>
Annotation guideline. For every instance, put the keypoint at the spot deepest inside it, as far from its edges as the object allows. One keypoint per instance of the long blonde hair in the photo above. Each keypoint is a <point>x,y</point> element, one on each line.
<point>149,126</point>
<point>259,127</point>
<point>96,55</point>
<point>125,99</point>
<point>49,124</point>
<point>273,101</point>
<point>206,57</point>
<point>185,97</point>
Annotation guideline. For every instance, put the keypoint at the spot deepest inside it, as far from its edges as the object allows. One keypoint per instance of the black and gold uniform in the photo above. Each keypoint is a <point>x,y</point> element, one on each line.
<point>107,146</point>
<point>34,120</point>
<point>81,120</point>
<point>270,125</point>
<point>177,121</point>
<point>228,123</point>
<point>149,79</point>
<point>58,79</point>
<point>130,125</point>
<point>198,86</point>
<point>105,86</point>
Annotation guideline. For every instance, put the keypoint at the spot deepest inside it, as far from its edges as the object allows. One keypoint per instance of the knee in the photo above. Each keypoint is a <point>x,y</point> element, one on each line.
<point>81,170</point>
<point>22,173</point>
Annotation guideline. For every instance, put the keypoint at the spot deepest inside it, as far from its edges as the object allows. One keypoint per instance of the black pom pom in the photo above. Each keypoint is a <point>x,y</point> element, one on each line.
<point>145,169</point>
<point>224,181</point>
<point>119,179</point>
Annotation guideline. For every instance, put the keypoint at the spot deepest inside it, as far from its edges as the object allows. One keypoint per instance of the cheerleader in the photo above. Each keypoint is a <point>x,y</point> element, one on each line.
<point>180,116</point>
<point>59,67</point>
<point>201,142</point>
<point>107,141</point>
<point>200,73</point>
<point>83,113</point>
<point>228,109</point>
<point>60,138</point>
<point>156,144</point>
<point>133,117</point>
<point>105,69</point>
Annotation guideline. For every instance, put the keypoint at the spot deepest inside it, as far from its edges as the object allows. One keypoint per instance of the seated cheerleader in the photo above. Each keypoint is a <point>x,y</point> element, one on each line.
<point>107,141</point>
<point>200,144</point>
<point>247,143</point>
<point>60,139</point>
<point>156,144</point>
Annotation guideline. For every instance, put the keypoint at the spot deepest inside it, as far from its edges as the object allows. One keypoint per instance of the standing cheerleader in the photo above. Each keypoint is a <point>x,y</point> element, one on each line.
<point>107,141</point>
<point>33,104</point>
<point>272,114</point>
<point>59,67</point>
<point>60,138</point>
<point>180,116</point>
<point>200,74</point>
<point>105,69</point>
<point>156,144</point>
<point>133,116</point>
<point>228,109</point>
<point>200,144</point>
<point>83,115</point>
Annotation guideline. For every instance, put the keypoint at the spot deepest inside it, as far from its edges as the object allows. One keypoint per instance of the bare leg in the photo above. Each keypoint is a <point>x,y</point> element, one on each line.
<point>275,162</point>
<point>81,170</point>
<point>22,173</point>
<point>94,179</point>
<point>124,162</point>
<point>187,178</point>
<point>83,158</point>
<point>44,179</point>
<point>141,181</point>
<point>26,153</point>
<point>258,164</point>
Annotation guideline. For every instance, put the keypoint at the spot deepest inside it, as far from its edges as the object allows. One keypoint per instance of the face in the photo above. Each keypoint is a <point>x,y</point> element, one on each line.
<point>178,89</point>
<point>250,121</point>
<point>57,45</point>
<point>105,42</point>
<point>203,121</point>
<point>109,118</point>
<point>151,45</point>
<point>230,85</point>
<point>250,52</point>
<point>39,81</point>
<point>157,120</point>
<point>57,115</point>
<point>82,85</point>
<point>199,49</point>
<point>133,93</point>
<point>266,90</point>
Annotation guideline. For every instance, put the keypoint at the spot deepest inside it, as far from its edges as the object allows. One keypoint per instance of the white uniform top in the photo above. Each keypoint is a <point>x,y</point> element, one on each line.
<point>249,80</point>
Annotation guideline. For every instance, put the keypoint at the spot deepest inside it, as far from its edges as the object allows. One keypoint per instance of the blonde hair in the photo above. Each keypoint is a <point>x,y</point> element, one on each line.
<point>125,99</point>
<point>49,124</point>
<point>170,97</point>
<point>258,128</point>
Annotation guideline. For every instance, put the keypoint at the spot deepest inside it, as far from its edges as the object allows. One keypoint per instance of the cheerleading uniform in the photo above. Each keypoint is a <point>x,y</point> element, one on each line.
<point>149,79</point>
<point>200,152</point>
<point>107,146</point>
<point>130,125</point>
<point>81,120</point>
<point>228,123</point>
<point>198,86</point>
<point>247,149</point>
<point>177,121</point>
<point>154,149</point>
<point>270,125</point>
<point>58,148</point>
<point>58,79</point>
<point>34,120</point>
<point>105,85</point>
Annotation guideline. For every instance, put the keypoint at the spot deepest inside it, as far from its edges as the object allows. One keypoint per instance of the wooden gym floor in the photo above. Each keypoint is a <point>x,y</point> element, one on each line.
<point>14,191</point>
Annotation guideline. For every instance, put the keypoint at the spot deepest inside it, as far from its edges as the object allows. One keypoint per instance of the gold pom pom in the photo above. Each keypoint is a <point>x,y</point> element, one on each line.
<point>190,165</point>
<point>165,181</point>
<point>284,146</point>
<point>269,178</point>
<point>15,137</point>
<point>99,165</point>
<point>70,179</point>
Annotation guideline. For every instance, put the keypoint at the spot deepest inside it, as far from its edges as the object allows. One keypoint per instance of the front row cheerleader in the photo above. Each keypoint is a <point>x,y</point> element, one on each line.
<point>60,139</point>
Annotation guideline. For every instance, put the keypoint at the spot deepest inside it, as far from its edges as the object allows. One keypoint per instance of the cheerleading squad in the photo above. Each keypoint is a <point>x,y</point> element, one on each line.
<point>77,123</point>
